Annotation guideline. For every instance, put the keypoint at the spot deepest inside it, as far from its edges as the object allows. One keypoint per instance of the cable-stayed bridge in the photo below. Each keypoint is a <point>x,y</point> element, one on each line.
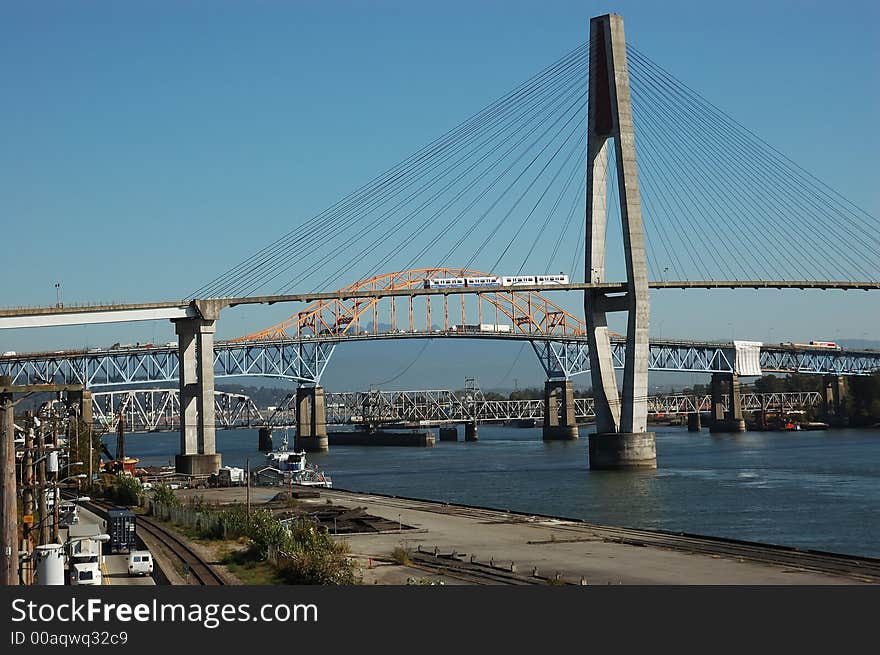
<point>706,204</point>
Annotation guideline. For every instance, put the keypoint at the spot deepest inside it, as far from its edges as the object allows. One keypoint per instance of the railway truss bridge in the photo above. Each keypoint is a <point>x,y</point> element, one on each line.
<point>158,410</point>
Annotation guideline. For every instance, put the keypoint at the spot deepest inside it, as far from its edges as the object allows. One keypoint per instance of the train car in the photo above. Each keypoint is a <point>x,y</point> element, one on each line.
<point>517,280</point>
<point>491,327</point>
<point>494,281</point>
<point>487,281</point>
<point>552,279</point>
<point>829,345</point>
<point>825,344</point>
<point>444,282</point>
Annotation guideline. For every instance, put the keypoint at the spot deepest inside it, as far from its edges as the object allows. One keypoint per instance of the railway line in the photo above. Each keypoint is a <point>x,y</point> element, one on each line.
<point>200,570</point>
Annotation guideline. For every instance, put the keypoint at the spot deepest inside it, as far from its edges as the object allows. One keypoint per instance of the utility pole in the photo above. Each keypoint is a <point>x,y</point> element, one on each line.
<point>56,497</point>
<point>9,504</point>
<point>247,479</point>
<point>27,494</point>
<point>91,456</point>
<point>41,490</point>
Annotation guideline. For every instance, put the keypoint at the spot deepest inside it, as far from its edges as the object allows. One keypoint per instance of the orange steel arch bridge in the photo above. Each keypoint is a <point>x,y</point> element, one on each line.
<point>509,312</point>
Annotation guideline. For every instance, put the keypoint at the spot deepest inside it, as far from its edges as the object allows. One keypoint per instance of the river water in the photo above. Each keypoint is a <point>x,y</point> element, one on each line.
<point>818,490</point>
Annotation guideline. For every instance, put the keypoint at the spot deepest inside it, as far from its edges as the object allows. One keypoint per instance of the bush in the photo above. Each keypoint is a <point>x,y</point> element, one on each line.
<point>314,558</point>
<point>306,555</point>
<point>265,531</point>
<point>401,555</point>
<point>127,490</point>
<point>164,494</point>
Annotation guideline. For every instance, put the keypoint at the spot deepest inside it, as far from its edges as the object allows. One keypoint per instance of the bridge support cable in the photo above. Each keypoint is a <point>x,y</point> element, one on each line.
<point>329,250</point>
<point>524,124</point>
<point>444,228</point>
<point>711,188</point>
<point>576,172</point>
<point>578,146</point>
<point>745,191</point>
<point>621,439</point>
<point>349,211</point>
<point>774,162</point>
<point>393,176</point>
<point>573,134</point>
<point>656,232</point>
<point>577,202</point>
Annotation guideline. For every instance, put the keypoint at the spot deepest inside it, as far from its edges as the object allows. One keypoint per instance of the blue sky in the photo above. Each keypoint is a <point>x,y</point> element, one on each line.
<point>148,147</point>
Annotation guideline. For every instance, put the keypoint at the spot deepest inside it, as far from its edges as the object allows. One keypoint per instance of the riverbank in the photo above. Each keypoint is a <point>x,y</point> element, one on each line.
<point>468,540</point>
<point>817,490</point>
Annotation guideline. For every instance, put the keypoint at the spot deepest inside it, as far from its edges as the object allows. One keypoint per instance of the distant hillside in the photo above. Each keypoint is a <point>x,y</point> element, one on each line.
<point>860,344</point>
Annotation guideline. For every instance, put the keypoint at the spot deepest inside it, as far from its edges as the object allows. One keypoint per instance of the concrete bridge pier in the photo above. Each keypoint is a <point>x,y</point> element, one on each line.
<point>560,423</point>
<point>449,433</point>
<point>311,420</point>
<point>195,349</point>
<point>470,431</point>
<point>264,440</point>
<point>694,424</point>
<point>833,398</point>
<point>731,419</point>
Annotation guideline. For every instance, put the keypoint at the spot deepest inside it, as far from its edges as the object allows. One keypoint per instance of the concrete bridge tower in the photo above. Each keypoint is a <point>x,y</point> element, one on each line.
<point>195,349</point>
<point>621,440</point>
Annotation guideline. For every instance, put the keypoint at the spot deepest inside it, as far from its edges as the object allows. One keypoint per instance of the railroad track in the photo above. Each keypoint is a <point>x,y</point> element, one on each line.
<point>863,569</point>
<point>476,573</point>
<point>200,570</point>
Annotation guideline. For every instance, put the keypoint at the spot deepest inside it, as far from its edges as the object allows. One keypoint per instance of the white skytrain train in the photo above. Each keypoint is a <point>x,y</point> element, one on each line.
<point>494,281</point>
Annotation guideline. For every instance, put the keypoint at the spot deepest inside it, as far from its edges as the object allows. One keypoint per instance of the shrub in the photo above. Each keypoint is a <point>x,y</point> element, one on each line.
<point>165,495</point>
<point>126,490</point>
<point>314,558</point>
<point>401,555</point>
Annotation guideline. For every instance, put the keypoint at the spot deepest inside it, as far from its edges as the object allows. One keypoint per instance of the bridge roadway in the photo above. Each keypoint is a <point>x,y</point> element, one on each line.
<point>305,360</point>
<point>25,317</point>
<point>158,410</point>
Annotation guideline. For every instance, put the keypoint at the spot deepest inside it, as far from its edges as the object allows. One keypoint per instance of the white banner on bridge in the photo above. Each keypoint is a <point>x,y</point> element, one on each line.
<point>748,357</point>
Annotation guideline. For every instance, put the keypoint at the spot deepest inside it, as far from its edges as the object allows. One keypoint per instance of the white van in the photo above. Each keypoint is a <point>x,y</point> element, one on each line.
<point>140,562</point>
<point>85,573</point>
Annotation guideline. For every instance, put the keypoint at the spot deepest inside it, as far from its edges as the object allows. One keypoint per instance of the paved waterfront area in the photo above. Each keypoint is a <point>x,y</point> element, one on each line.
<point>572,549</point>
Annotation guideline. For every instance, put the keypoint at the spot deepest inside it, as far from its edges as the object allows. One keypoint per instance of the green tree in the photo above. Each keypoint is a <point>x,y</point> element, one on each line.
<point>127,490</point>
<point>863,402</point>
<point>164,494</point>
<point>769,384</point>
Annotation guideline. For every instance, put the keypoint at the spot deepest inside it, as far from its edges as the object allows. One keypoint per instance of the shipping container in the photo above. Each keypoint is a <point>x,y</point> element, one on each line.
<point>121,528</point>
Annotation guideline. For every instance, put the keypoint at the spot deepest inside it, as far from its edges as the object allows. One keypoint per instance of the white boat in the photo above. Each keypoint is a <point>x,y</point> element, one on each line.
<point>291,468</point>
<point>287,460</point>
